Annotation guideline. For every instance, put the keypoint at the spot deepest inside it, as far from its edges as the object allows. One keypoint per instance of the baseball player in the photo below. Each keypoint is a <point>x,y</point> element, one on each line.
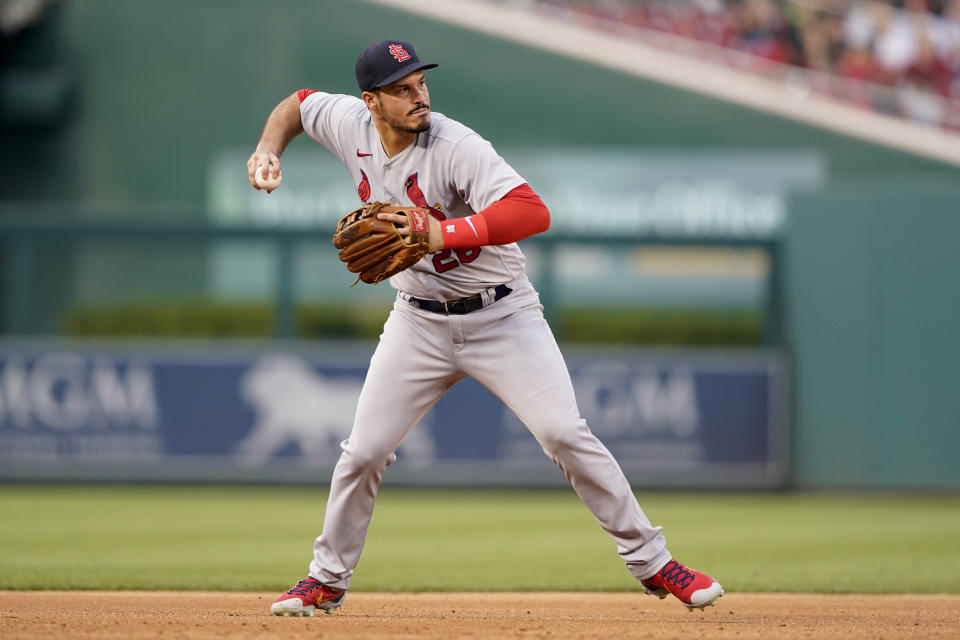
<point>465,309</point>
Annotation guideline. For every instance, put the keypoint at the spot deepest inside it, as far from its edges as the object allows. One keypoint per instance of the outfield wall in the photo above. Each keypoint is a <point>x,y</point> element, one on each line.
<point>873,308</point>
<point>279,412</point>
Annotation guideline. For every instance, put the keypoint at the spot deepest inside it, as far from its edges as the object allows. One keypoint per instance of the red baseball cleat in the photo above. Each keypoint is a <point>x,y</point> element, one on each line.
<point>694,589</point>
<point>307,595</point>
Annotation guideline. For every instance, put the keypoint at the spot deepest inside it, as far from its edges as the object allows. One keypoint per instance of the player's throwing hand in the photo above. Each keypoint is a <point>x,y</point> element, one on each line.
<point>263,169</point>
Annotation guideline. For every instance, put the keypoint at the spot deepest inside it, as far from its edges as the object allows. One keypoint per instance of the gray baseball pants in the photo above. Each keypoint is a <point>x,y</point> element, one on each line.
<point>508,347</point>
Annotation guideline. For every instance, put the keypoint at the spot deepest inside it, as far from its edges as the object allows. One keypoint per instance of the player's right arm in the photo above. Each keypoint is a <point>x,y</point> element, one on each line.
<point>283,125</point>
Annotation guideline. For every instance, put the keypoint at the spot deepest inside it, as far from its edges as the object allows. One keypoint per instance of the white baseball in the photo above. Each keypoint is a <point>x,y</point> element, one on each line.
<point>269,182</point>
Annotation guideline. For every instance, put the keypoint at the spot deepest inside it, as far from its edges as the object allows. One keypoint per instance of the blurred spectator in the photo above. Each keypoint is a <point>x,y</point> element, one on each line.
<point>925,77</point>
<point>761,30</point>
<point>824,41</point>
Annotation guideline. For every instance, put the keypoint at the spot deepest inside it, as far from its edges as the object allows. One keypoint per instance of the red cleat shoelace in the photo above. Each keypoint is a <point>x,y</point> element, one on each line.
<point>694,589</point>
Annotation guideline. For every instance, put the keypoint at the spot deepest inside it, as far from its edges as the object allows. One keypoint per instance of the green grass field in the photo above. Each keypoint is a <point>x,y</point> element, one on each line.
<point>260,538</point>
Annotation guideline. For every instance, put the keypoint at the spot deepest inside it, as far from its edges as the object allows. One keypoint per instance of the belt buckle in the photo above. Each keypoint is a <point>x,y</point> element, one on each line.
<point>455,307</point>
<point>464,305</point>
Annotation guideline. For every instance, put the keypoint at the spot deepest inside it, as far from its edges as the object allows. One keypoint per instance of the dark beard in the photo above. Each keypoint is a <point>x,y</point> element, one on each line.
<point>420,128</point>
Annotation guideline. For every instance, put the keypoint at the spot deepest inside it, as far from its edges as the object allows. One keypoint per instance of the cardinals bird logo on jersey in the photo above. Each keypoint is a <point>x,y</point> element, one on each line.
<point>363,189</point>
<point>416,197</point>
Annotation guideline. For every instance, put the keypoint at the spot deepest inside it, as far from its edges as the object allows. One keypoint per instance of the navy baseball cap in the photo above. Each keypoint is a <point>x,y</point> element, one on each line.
<point>387,61</point>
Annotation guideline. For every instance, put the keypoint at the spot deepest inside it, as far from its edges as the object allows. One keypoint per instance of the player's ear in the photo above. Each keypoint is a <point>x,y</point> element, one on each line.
<point>371,100</point>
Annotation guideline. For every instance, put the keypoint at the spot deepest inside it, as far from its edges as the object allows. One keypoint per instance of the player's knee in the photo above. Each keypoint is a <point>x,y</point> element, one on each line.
<point>366,461</point>
<point>560,437</point>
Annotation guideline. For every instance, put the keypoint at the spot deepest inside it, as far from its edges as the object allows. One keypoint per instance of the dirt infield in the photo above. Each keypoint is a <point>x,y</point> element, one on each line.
<point>61,614</point>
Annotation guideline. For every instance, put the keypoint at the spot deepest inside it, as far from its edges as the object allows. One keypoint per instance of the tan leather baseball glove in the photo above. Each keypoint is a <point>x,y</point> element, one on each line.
<point>374,249</point>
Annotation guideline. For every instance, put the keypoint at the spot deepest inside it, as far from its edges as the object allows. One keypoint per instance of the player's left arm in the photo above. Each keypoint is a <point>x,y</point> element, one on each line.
<point>517,215</point>
<point>507,208</point>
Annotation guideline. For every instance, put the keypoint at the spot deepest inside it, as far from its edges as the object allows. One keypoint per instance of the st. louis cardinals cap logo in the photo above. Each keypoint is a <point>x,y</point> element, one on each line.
<point>398,52</point>
<point>387,61</point>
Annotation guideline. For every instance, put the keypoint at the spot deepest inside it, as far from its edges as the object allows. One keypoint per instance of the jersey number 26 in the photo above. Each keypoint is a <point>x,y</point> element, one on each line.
<point>444,260</point>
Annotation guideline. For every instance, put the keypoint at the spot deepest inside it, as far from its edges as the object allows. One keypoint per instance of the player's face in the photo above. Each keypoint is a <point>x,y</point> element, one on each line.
<point>405,104</point>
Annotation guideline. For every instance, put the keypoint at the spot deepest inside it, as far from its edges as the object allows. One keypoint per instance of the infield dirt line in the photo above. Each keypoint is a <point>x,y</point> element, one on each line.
<point>171,614</point>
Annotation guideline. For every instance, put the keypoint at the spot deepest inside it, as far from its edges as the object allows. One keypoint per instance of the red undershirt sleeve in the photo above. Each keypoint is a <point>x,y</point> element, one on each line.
<point>517,215</point>
<point>303,93</point>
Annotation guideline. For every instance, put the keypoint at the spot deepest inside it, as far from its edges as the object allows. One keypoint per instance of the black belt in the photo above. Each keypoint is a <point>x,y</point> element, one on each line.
<point>461,306</point>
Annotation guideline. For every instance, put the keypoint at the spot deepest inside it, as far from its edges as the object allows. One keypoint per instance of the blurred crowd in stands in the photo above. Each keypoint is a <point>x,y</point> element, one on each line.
<point>900,57</point>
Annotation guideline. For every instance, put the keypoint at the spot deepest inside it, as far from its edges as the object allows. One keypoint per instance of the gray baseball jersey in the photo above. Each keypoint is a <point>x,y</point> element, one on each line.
<point>450,170</point>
